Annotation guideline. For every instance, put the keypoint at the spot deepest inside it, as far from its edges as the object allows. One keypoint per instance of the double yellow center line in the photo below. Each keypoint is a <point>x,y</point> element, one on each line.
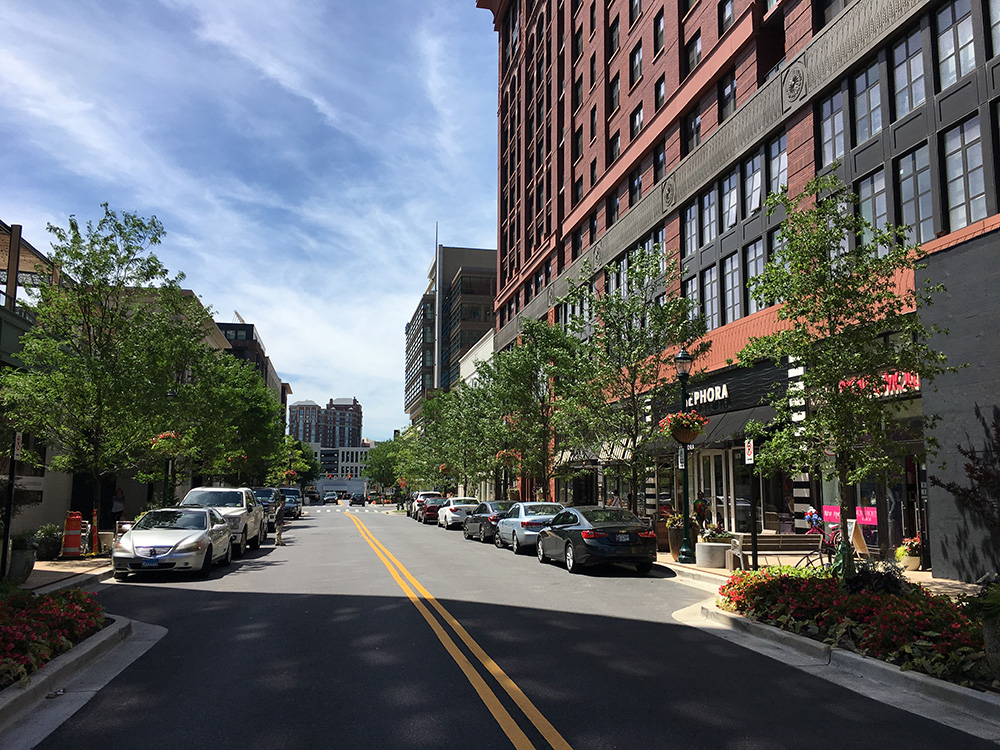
<point>510,727</point>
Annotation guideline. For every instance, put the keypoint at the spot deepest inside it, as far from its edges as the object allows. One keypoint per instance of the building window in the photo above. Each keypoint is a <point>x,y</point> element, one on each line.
<point>577,143</point>
<point>827,10</point>
<point>635,65</point>
<point>727,95</point>
<point>593,70</point>
<point>691,229</point>
<point>635,121</point>
<point>577,243</point>
<point>753,263</point>
<point>593,172</point>
<point>577,93</point>
<point>593,123</point>
<point>831,114</point>
<point>593,227</point>
<point>611,208</point>
<point>963,158</point>
<point>726,15</point>
<point>659,161</point>
<point>872,206</point>
<point>577,44</point>
<point>577,190</point>
<point>995,25</point>
<point>867,104</point>
<point>956,51</point>
<point>732,290</point>
<point>614,93</point>
<point>690,291</point>
<point>731,199</point>
<point>658,33</point>
<point>692,132</point>
<point>908,74</point>
<point>634,10</point>
<point>614,40</point>
<point>593,17</point>
<point>709,217</point>
<point>692,53</point>
<point>710,297</point>
<point>660,92</point>
<point>752,176</point>
<point>777,164</point>
<point>614,146</point>
<point>915,202</point>
<point>634,187</point>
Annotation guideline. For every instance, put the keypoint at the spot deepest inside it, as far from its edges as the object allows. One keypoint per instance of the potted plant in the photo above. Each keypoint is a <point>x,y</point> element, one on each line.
<point>716,533</point>
<point>22,557</point>
<point>908,553</point>
<point>710,551</point>
<point>675,532</point>
<point>684,426</point>
<point>49,539</point>
<point>985,606</point>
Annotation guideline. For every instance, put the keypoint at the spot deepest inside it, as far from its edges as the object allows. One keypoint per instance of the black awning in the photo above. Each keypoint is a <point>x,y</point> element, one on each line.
<point>727,428</point>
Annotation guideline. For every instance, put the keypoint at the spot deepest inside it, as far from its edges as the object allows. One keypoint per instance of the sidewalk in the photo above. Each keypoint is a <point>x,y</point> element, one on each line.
<point>52,575</point>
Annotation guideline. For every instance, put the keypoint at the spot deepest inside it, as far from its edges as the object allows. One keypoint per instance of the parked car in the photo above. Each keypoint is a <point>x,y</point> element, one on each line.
<point>239,506</point>
<point>454,511</point>
<point>591,535</point>
<point>268,497</point>
<point>519,526</point>
<point>413,511</point>
<point>481,523</point>
<point>312,497</point>
<point>429,513</point>
<point>293,502</point>
<point>173,539</point>
<point>357,499</point>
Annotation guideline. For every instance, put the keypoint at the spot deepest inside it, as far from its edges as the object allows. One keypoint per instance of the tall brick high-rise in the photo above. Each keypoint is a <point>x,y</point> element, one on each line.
<point>625,122</point>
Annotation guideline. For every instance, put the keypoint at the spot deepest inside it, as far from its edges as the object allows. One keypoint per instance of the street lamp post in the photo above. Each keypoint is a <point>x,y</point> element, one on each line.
<point>683,362</point>
<point>171,395</point>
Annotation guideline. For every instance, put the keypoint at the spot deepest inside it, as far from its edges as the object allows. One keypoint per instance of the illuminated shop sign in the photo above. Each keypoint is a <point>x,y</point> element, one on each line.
<point>894,383</point>
<point>708,395</point>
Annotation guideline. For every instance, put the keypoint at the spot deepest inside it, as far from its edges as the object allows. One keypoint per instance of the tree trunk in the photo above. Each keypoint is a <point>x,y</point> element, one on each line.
<point>843,564</point>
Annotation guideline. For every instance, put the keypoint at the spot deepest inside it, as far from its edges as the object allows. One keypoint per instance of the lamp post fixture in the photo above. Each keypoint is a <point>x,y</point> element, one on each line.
<point>171,395</point>
<point>683,362</point>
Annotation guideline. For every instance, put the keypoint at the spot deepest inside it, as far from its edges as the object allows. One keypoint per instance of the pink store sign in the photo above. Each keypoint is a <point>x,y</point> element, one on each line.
<point>866,515</point>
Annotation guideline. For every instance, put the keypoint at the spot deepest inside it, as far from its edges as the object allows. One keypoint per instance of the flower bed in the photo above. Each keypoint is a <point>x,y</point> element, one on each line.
<point>36,629</point>
<point>913,629</point>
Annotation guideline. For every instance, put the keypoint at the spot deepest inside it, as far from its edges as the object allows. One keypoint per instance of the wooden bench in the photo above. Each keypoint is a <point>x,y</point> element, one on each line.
<point>793,549</point>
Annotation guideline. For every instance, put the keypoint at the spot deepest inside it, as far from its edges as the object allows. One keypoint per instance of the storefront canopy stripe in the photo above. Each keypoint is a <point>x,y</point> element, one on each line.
<point>729,426</point>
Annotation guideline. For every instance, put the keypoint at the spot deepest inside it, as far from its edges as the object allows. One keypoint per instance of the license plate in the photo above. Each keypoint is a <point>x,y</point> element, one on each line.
<point>150,563</point>
<point>622,537</point>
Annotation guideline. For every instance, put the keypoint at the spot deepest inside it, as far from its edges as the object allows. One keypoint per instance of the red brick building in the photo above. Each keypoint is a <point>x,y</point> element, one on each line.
<point>642,121</point>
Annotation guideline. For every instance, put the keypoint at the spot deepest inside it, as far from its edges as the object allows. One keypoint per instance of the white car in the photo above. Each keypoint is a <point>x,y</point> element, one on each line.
<point>173,539</point>
<point>453,512</point>
<point>241,509</point>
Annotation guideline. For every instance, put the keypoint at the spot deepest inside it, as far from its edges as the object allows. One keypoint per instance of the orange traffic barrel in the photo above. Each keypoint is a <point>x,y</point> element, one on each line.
<point>71,534</point>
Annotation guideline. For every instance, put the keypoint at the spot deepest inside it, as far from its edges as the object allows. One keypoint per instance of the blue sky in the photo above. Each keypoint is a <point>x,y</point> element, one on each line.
<point>298,152</point>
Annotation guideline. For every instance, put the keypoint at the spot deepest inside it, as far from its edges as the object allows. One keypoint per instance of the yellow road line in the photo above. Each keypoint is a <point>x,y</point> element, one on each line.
<point>549,732</point>
<point>517,737</point>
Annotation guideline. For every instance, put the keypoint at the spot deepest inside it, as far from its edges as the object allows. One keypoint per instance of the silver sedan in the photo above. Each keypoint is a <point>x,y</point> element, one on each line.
<point>519,526</point>
<point>173,539</point>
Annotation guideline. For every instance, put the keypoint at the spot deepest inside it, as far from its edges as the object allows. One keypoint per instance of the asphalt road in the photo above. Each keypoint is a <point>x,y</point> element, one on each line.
<point>319,645</point>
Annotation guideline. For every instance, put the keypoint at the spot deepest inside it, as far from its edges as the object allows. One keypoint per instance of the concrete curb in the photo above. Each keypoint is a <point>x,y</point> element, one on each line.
<point>964,699</point>
<point>20,696</point>
<point>76,581</point>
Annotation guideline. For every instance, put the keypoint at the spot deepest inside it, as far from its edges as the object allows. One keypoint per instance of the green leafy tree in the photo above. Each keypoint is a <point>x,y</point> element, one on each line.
<point>849,316</point>
<point>293,464</point>
<point>632,331</point>
<point>114,335</point>
<point>383,460</point>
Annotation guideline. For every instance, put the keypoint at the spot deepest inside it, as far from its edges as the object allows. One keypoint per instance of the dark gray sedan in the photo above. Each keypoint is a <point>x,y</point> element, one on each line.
<point>481,524</point>
<point>591,535</point>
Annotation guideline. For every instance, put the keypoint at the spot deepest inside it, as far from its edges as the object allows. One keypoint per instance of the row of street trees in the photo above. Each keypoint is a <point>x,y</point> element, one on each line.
<point>119,378</point>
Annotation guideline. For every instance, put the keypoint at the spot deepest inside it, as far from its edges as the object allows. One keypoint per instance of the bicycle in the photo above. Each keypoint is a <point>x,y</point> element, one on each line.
<point>822,557</point>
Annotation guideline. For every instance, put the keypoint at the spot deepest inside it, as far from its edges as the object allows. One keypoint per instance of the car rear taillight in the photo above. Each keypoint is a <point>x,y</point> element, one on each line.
<point>492,519</point>
<point>593,534</point>
<point>647,534</point>
<point>531,524</point>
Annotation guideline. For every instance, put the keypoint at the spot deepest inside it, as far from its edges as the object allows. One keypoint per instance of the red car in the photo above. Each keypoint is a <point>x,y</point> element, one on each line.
<point>429,514</point>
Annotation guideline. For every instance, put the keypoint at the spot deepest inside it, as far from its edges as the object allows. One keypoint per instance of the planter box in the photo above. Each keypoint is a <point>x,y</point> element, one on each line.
<point>711,554</point>
<point>910,563</point>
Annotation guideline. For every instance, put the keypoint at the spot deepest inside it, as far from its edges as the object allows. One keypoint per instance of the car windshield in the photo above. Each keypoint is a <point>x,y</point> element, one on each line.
<point>263,494</point>
<point>541,509</point>
<point>173,519</point>
<point>501,507</point>
<point>215,498</point>
<point>609,515</point>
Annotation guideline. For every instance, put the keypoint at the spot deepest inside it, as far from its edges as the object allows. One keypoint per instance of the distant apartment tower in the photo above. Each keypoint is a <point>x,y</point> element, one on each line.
<point>337,425</point>
<point>454,313</point>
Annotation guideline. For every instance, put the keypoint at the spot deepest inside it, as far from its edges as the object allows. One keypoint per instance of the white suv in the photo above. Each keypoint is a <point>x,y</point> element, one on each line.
<point>241,509</point>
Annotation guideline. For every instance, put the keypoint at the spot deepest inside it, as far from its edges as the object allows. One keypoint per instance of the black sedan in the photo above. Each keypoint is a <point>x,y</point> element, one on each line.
<point>592,535</point>
<point>481,524</point>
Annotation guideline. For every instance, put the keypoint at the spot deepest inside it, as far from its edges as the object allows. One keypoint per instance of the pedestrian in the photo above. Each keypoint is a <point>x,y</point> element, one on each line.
<point>279,523</point>
<point>118,506</point>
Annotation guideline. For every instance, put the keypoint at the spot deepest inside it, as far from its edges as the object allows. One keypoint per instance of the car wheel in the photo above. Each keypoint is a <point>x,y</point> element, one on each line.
<point>206,564</point>
<point>465,532</point>
<point>121,576</point>
<point>539,553</point>
<point>497,540</point>
<point>228,557</point>
<point>571,565</point>
<point>263,532</point>
<point>255,542</point>
<point>482,534</point>
<point>241,548</point>
<point>643,568</point>
<point>515,545</point>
